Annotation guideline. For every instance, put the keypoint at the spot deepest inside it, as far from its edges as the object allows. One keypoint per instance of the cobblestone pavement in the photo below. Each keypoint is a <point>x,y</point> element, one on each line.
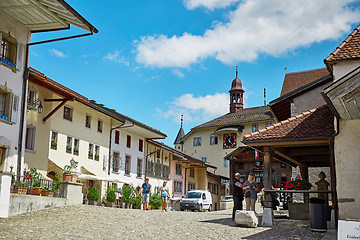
<point>92,222</point>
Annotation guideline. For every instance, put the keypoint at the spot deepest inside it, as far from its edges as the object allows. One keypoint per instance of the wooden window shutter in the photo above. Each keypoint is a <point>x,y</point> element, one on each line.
<point>20,56</point>
<point>15,108</point>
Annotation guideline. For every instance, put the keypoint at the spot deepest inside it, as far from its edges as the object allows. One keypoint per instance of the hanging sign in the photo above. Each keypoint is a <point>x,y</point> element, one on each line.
<point>256,155</point>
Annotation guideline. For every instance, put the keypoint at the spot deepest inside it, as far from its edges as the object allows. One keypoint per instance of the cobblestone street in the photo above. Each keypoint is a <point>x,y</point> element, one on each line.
<point>91,222</point>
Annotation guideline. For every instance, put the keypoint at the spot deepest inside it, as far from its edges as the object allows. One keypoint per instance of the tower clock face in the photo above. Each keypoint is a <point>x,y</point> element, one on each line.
<point>229,140</point>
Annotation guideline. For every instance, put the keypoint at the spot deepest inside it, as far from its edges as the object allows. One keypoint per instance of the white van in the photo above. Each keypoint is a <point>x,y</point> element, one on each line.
<point>196,200</point>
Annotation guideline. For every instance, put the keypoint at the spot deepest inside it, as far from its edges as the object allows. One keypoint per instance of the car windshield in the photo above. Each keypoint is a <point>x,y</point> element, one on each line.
<point>193,195</point>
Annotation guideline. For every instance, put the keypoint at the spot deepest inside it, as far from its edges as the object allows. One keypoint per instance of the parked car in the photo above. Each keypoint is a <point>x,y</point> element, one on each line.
<point>196,200</point>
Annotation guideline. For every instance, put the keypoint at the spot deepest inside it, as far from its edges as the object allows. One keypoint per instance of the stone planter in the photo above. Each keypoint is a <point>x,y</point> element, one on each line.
<point>298,211</point>
<point>110,204</point>
<point>67,177</point>
<point>20,190</point>
<point>93,202</point>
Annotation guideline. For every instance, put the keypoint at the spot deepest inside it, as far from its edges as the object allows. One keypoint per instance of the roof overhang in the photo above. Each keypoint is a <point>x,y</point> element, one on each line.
<point>344,95</point>
<point>44,15</point>
<point>229,129</point>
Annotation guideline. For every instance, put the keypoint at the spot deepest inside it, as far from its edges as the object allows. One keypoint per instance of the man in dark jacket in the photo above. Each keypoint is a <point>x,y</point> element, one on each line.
<point>238,195</point>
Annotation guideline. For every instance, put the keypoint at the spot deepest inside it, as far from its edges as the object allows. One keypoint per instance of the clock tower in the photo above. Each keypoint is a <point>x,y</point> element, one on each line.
<point>236,94</point>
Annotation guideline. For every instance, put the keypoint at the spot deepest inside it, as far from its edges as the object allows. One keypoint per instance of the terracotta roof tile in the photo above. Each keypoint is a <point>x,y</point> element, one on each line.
<point>295,80</point>
<point>317,123</point>
<point>348,49</point>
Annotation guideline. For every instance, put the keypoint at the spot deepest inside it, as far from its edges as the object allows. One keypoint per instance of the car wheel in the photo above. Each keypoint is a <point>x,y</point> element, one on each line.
<point>200,208</point>
<point>210,208</point>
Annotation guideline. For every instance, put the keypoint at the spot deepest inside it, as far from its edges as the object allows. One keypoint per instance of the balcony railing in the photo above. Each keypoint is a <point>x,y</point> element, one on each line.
<point>35,186</point>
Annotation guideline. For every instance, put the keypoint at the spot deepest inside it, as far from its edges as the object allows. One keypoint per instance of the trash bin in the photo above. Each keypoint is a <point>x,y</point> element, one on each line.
<point>317,215</point>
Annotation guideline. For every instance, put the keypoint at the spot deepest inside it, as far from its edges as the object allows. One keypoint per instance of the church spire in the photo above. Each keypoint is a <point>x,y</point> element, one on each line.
<point>236,94</point>
<point>181,133</point>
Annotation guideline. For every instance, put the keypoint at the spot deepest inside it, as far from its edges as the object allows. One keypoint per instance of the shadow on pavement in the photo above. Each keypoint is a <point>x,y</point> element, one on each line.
<point>223,221</point>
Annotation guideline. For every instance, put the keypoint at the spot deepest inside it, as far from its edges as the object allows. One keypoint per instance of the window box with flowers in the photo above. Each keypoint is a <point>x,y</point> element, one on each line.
<point>97,157</point>
<point>53,145</point>
<point>76,151</point>
<point>90,155</point>
<point>68,149</point>
<point>298,184</point>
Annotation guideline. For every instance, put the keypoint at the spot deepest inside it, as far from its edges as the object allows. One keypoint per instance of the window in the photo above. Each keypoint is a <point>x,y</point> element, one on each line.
<point>100,125</point>
<point>158,153</point>
<point>128,141</point>
<point>213,188</point>
<point>91,151</point>
<point>117,137</point>
<point>178,186</point>
<point>116,162</point>
<point>30,137</point>
<point>141,144</point>
<point>191,186</point>
<point>197,141</point>
<point>192,172</point>
<point>213,140</point>
<point>204,158</point>
<point>8,51</point>
<point>76,146</point>
<point>255,127</point>
<point>97,152</point>
<point>68,112</point>
<point>178,169</point>
<point>8,111</point>
<point>68,144</point>
<point>127,165</point>
<point>54,137</point>
<point>225,163</point>
<point>88,121</point>
<point>139,168</point>
<point>31,98</point>
<point>268,124</point>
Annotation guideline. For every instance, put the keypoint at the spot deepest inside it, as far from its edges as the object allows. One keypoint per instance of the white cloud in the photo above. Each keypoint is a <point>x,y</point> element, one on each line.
<point>272,27</point>
<point>57,53</point>
<point>115,57</point>
<point>201,108</point>
<point>178,73</point>
<point>209,4</point>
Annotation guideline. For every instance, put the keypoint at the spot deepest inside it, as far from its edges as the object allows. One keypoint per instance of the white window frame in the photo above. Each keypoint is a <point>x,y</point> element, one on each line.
<point>212,140</point>
<point>197,142</point>
<point>86,121</point>
<point>100,125</point>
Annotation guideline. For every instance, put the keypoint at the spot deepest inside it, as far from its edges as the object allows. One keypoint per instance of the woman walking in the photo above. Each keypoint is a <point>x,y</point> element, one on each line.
<point>251,189</point>
<point>164,194</point>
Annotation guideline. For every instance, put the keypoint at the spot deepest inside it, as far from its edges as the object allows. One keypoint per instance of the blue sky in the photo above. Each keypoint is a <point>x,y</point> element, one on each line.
<point>155,60</point>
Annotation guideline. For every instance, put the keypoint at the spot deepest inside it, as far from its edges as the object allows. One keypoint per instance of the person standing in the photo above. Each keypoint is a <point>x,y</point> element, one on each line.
<point>164,194</point>
<point>238,195</point>
<point>146,189</point>
<point>251,189</point>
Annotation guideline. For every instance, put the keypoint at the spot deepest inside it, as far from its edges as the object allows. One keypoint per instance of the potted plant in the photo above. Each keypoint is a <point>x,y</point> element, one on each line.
<point>67,175</point>
<point>127,194</point>
<point>56,185</point>
<point>20,187</point>
<point>298,184</point>
<point>154,201</point>
<point>136,202</point>
<point>96,156</point>
<point>68,149</point>
<point>91,155</point>
<point>93,196</point>
<point>110,198</point>
<point>53,145</point>
<point>36,182</point>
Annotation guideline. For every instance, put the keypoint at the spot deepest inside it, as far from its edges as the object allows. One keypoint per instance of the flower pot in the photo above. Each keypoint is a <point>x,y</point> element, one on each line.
<point>43,193</point>
<point>36,191</point>
<point>20,190</point>
<point>110,204</point>
<point>67,177</point>
<point>50,193</point>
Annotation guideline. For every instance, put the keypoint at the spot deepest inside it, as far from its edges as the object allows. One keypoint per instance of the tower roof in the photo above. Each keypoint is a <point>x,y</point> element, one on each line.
<point>179,136</point>
<point>236,83</point>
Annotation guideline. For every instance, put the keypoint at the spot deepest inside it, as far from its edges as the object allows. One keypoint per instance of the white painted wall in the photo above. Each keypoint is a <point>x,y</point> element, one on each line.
<point>340,69</point>
<point>9,133</point>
